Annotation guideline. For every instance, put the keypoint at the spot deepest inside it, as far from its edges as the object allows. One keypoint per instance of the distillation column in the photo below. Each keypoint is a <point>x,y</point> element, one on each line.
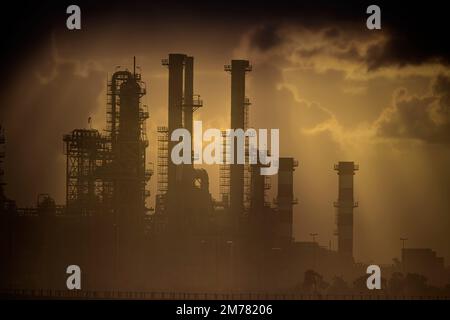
<point>345,204</point>
<point>122,174</point>
<point>130,154</point>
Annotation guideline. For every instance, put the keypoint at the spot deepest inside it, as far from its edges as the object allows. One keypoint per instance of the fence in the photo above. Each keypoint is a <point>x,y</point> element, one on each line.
<point>133,295</point>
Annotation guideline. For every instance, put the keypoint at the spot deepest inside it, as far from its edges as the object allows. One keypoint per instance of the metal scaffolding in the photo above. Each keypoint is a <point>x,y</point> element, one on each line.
<point>113,102</point>
<point>192,105</point>
<point>98,171</point>
<point>162,170</point>
<point>224,173</point>
<point>239,174</point>
<point>247,166</point>
<point>87,188</point>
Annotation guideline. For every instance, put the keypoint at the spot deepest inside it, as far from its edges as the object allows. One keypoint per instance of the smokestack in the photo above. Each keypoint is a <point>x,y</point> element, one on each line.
<point>238,70</point>
<point>188,107</point>
<point>175,63</point>
<point>345,205</point>
<point>285,197</point>
<point>257,191</point>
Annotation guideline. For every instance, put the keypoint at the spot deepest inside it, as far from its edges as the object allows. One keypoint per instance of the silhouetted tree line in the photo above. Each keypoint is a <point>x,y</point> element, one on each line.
<point>411,284</point>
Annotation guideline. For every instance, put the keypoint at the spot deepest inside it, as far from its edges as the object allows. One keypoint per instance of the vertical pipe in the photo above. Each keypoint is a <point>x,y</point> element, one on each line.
<point>238,70</point>
<point>285,197</point>
<point>345,205</point>
<point>189,96</point>
<point>67,172</point>
<point>176,62</point>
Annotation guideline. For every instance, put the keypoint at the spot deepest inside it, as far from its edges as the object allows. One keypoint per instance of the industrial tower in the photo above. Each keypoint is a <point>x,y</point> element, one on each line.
<point>239,104</point>
<point>107,173</point>
<point>285,199</point>
<point>345,204</point>
<point>183,191</point>
<point>191,241</point>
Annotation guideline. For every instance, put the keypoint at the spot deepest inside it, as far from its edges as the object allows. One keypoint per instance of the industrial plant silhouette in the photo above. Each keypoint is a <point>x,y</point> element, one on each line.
<point>189,242</point>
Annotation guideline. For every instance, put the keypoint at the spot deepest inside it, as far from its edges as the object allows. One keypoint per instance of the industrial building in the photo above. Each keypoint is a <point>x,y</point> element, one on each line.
<point>189,241</point>
<point>424,261</point>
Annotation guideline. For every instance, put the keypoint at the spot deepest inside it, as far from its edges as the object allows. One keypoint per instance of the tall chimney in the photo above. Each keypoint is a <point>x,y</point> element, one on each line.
<point>238,70</point>
<point>175,63</point>
<point>345,204</point>
<point>285,197</point>
<point>188,106</point>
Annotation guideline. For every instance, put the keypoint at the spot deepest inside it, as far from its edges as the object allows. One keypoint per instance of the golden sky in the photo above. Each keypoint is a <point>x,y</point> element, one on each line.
<point>323,86</point>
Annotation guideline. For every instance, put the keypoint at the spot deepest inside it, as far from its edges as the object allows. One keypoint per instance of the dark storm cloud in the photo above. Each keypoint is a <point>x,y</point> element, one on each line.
<point>414,32</point>
<point>402,49</point>
<point>424,118</point>
<point>266,37</point>
<point>349,53</point>
<point>417,35</point>
<point>332,33</point>
<point>442,88</point>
